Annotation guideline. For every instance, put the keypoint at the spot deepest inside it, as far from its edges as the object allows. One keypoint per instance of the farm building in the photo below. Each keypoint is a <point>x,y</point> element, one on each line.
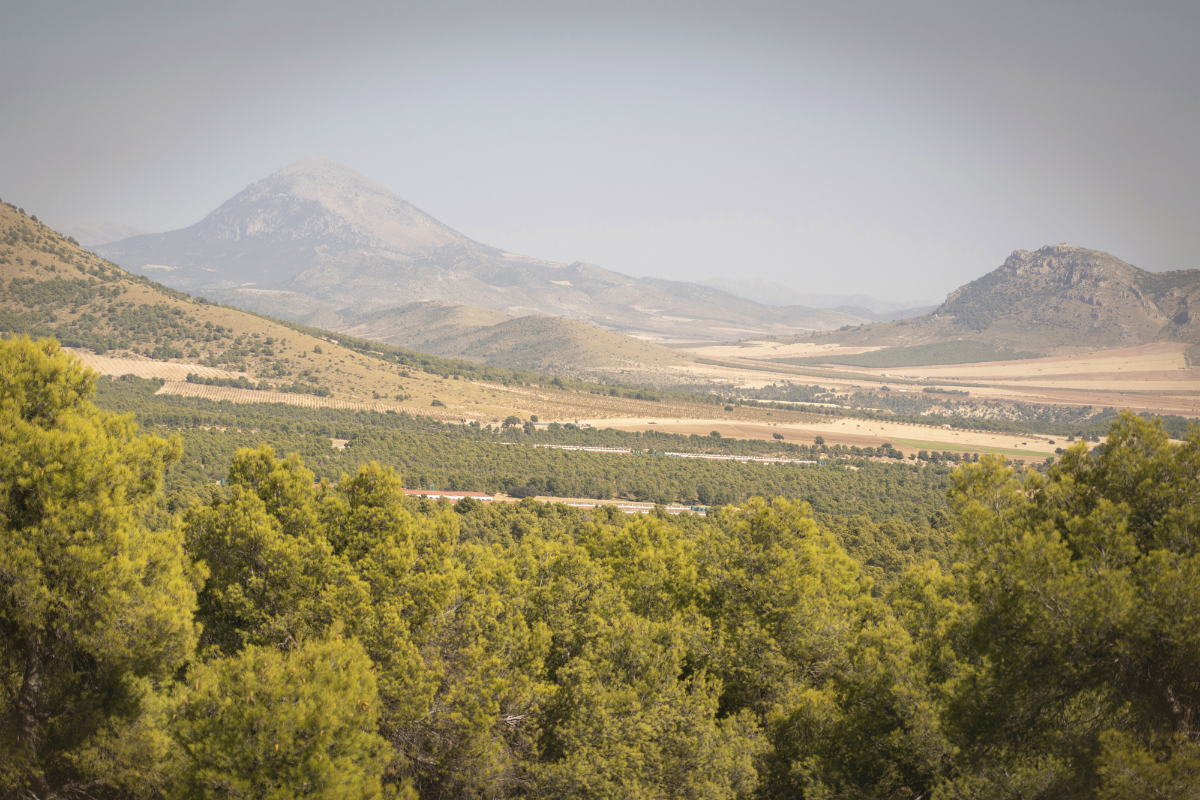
<point>433,494</point>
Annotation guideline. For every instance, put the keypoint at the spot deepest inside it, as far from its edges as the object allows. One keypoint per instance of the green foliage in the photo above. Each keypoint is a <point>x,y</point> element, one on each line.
<point>266,586</point>
<point>266,724</point>
<point>232,383</point>
<point>627,723</point>
<point>1085,594</point>
<point>359,642</point>
<point>467,458</point>
<point>95,607</point>
<point>262,386</point>
<point>783,594</point>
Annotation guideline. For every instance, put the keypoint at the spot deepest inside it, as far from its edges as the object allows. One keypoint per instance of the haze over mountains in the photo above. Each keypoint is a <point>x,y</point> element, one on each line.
<point>772,293</point>
<point>320,243</point>
<point>317,242</point>
<point>95,234</point>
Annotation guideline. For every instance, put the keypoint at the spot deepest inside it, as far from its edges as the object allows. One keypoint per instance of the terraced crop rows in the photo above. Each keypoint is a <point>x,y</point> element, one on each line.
<point>168,371</point>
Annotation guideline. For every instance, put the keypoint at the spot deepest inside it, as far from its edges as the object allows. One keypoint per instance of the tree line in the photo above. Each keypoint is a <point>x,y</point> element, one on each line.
<point>432,454</point>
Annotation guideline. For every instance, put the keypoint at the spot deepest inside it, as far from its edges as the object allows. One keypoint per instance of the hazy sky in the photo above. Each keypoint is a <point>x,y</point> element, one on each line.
<point>897,149</point>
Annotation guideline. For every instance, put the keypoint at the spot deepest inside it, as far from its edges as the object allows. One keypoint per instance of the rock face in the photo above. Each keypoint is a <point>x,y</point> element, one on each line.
<point>318,242</point>
<point>1056,299</point>
<point>1061,293</point>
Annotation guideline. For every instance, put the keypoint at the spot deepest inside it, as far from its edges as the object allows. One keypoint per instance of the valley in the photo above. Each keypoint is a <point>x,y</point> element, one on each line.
<point>121,324</point>
<point>599,401</point>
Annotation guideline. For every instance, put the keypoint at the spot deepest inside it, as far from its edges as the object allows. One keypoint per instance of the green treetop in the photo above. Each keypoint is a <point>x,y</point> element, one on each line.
<point>95,608</point>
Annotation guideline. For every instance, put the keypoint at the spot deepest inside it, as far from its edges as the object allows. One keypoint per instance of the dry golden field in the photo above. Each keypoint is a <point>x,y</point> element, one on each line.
<point>905,437</point>
<point>1153,377</point>
<point>145,367</point>
<point>219,393</point>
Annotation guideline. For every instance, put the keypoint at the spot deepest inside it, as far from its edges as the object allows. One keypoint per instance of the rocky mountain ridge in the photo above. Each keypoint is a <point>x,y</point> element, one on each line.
<point>1059,298</point>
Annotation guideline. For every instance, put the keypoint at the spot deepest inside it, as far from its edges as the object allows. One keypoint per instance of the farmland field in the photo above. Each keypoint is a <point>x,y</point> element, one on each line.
<point>908,445</point>
<point>1155,378</point>
<point>963,352</point>
<point>146,368</point>
<point>218,393</point>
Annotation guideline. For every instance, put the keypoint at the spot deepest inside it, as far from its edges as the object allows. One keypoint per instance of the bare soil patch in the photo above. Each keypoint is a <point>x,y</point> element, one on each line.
<point>767,349</point>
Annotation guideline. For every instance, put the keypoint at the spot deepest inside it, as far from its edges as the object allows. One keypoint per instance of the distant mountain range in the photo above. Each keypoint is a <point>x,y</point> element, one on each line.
<point>95,234</point>
<point>319,243</point>
<point>1060,298</point>
<point>772,293</point>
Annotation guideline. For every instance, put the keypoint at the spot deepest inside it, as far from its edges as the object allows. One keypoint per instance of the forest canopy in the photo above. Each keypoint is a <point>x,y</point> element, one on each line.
<point>278,636</point>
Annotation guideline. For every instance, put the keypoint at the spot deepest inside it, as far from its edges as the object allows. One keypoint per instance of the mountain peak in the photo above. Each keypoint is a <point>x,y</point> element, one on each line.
<point>330,207</point>
<point>311,211</point>
<point>319,173</point>
<point>1068,263</point>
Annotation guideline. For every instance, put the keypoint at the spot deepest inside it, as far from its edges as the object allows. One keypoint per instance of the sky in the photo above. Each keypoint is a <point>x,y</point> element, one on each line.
<point>895,149</point>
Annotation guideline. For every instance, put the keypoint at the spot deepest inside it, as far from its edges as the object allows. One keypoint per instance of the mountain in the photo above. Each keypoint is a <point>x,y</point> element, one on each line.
<point>99,233</point>
<point>885,316</point>
<point>1057,299</point>
<point>308,212</point>
<point>127,324</point>
<point>318,242</point>
<point>772,293</point>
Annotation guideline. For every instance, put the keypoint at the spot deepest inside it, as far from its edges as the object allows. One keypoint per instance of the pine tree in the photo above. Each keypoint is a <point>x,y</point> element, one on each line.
<point>1083,621</point>
<point>274,725</point>
<point>95,608</point>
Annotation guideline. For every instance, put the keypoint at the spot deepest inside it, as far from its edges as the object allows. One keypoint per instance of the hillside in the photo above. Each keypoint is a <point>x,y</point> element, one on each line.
<point>1057,299</point>
<point>122,323</point>
<point>421,325</point>
<point>556,345</point>
<point>562,346</point>
<point>317,242</point>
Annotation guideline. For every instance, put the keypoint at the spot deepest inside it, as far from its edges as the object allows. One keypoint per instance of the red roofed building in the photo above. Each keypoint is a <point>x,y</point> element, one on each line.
<point>434,494</point>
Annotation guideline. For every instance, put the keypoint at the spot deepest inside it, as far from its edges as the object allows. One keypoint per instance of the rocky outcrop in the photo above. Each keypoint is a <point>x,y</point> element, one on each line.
<point>1065,295</point>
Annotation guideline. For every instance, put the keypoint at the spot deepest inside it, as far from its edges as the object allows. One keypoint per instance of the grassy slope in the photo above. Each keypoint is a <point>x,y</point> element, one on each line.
<point>422,325</point>
<point>91,303</point>
<point>557,345</point>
